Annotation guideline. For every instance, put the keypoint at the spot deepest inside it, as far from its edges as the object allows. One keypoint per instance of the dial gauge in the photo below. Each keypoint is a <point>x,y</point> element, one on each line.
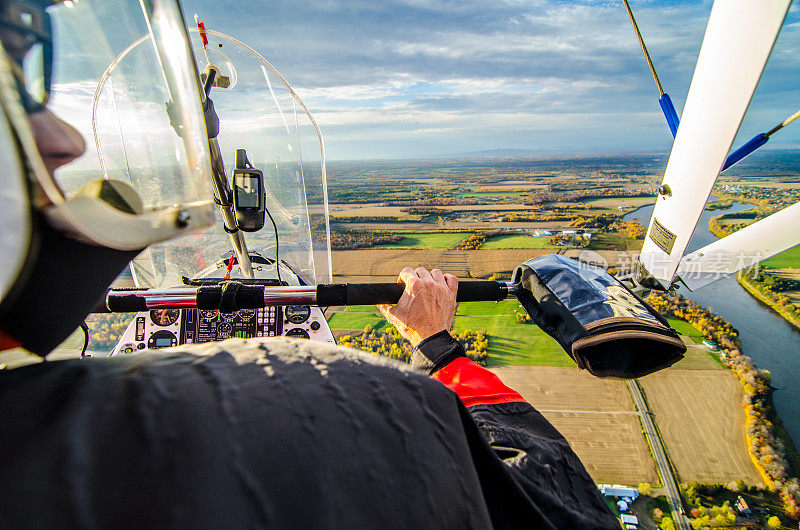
<point>164,317</point>
<point>162,339</point>
<point>224,331</point>
<point>297,314</point>
<point>246,314</point>
<point>228,317</point>
<point>298,333</point>
<point>209,314</point>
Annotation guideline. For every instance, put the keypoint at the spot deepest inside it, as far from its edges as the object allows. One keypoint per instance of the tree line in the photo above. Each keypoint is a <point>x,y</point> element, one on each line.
<point>773,288</point>
<point>106,329</point>
<point>353,239</point>
<point>391,344</point>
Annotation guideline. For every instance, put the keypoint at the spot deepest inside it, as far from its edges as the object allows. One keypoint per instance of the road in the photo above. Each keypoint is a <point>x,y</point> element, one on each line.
<point>673,495</point>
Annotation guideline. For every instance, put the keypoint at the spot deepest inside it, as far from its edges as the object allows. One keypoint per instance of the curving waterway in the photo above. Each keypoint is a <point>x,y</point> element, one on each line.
<point>766,337</point>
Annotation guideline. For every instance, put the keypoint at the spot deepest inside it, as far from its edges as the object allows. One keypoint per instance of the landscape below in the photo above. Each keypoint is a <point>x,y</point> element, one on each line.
<point>481,219</point>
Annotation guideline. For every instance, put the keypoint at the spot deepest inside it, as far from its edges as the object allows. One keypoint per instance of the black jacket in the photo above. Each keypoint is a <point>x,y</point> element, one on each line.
<point>275,433</point>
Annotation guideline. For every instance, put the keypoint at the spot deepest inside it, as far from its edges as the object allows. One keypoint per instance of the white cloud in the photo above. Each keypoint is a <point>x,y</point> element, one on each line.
<point>507,71</point>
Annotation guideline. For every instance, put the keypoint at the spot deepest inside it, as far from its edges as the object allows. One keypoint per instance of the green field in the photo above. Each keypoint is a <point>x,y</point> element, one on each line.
<point>428,241</point>
<point>356,321</point>
<point>785,260</point>
<point>506,307</point>
<point>684,328</point>
<point>517,241</point>
<point>510,343</point>
<point>614,241</point>
<point>357,317</point>
<point>480,194</point>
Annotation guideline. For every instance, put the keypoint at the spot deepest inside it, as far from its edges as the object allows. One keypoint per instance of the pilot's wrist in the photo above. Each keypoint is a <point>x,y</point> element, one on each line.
<point>435,352</point>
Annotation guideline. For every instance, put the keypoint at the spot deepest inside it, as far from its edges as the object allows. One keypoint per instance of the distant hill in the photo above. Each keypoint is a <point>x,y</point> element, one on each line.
<point>500,153</point>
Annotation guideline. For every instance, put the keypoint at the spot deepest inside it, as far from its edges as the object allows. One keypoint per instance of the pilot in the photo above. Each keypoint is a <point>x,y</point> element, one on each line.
<point>243,433</point>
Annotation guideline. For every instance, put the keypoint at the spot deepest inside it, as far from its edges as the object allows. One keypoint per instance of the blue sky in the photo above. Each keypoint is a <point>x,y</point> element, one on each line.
<point>409,78</point>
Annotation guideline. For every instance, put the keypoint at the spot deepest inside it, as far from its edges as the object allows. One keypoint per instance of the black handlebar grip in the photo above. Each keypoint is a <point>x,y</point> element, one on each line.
<point>389,293</point>
<point>358,293</point>
<point>124,303</point>
<point>374,293</point>
<point>481,291</point>
<point>230,297</point>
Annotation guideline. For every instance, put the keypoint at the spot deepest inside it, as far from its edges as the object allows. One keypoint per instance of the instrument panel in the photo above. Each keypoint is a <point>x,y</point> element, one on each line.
<point>165,328</point>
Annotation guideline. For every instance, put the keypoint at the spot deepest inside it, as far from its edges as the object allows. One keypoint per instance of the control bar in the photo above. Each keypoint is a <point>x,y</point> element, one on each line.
<point>232,296</point>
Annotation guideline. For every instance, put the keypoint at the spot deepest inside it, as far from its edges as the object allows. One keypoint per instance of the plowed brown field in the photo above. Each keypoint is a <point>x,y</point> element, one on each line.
<point>611,446</point>
<point>596,416</point>
<point>792,274</point>
<point>563,389</point>
<point>386,264</point>
<point>697,411</point>
<point>701,420</point>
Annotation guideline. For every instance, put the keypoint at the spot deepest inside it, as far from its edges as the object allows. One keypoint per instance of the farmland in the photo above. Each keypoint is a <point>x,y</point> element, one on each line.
<point>479,193</point>
<point>429,240</point>
<point>515,241</point>
<point>701,423</point>
<point>790,274</point>
<point>508,204</point>
<point>615,202</point>
<point>610,446</point>
<point>565,389</point>
<point>604,431</point>
<point>597,415</point>
<point>686,329</point>
<point>385,265</point>
<point>789,259</point>
<point>356,318</point>
<point>510,343</point>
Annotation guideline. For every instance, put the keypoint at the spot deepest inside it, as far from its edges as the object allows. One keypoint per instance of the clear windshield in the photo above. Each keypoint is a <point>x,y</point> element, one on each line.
<point>123,79</point>
<point>259,112</point>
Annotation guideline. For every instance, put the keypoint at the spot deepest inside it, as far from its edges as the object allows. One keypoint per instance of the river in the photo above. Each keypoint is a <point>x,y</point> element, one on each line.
<point>766,337</point>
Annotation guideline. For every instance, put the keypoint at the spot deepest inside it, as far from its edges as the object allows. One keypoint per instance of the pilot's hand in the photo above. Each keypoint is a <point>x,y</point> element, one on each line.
<point>428,304</point>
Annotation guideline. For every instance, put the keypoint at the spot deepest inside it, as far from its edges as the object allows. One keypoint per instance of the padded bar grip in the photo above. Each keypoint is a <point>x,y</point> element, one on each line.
<point>481,291</point>
<point>230,297</point>
<point>389,293</point>
<point>125,304</point>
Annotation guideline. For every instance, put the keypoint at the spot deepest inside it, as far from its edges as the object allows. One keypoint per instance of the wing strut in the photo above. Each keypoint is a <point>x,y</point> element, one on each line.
<point>663,98</point>
<point>738,41</point>
<point>672,116</point>
<point>742,249</point>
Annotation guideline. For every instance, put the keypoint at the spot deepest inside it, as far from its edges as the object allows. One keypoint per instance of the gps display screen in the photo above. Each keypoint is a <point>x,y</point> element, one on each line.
<point>247,192</point>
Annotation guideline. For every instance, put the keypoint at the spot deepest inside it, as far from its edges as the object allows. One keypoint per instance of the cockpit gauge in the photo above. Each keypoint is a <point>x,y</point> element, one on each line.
<point>224,330</point>
<point>246,314</point>
<point>164,317</point>
<point>209,314</point>
<point>297,314</point>
<point>298,333</point>
<point>162,339</point>
<point>228,317</point>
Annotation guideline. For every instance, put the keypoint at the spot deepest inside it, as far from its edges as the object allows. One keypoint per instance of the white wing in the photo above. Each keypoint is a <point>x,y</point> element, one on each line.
<point>742,249</point>
<point>736,46</point>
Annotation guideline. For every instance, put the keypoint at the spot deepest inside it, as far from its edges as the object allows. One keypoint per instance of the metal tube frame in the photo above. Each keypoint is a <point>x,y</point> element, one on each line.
<point>222,193</point>
<point>186,297</point>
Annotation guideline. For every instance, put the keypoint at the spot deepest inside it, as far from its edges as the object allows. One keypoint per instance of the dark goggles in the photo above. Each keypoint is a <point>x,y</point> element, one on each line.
<point>26,34</point>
